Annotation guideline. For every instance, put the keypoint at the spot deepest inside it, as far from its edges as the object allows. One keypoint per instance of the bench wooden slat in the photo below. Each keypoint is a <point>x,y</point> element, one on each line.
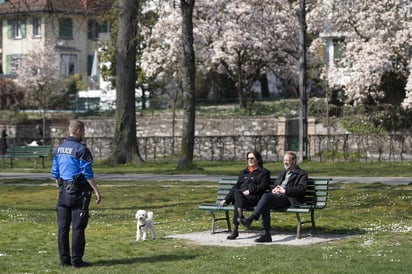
<point>225,188</point>
<point>316,198</point>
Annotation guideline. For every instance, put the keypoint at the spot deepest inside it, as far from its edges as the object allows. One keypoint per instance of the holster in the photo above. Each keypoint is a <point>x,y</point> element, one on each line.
<point>80,182</point>
<point>86,196</point>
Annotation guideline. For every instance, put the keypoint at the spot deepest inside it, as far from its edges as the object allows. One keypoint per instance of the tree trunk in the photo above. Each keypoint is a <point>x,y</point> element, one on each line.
<point>125,148</point>
<point>43,128</point>
<point>264,85</point>
<point>239,85</point>
<point>189,73</point>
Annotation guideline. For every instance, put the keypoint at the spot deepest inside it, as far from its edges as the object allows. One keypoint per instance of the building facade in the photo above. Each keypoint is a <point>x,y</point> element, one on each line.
<point>72,26</point>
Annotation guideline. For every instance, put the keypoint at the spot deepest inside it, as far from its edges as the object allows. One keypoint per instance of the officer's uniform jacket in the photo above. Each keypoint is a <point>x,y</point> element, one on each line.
<point>70,159</point>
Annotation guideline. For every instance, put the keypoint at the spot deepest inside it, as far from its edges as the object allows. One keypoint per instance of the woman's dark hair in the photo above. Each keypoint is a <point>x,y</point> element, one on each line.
<point>259,160</point>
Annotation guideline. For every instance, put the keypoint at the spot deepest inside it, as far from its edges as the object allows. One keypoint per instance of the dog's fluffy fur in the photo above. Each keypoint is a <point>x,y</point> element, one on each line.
<point>144,223</point>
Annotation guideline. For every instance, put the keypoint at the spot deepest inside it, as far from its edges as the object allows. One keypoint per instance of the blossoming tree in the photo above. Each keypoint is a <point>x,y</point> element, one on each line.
<point>378,44</point>
<point>242,39</point>
<point>39,75</point>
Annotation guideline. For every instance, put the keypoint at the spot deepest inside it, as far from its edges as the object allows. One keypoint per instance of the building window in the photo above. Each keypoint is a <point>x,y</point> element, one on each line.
<point>105,27</point>
<point>93,30</point>
<point>104,34</point>
<point>98,31</point>
<point>68,64</point>
<point>338,50</point>
<point>66,28</point>
<point>16,29</point>
<point>13,62</point>
<point>36,27</point>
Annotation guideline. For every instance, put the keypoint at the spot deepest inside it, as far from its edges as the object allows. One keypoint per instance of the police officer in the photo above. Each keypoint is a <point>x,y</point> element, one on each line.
<point>73,173</point>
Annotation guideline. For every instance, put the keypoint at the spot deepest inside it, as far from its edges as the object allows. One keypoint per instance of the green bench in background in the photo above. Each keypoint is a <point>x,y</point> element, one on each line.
<point>27,152</point>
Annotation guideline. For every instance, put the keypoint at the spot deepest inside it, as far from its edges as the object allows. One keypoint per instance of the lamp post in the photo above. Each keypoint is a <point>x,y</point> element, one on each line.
<point>303,106</point>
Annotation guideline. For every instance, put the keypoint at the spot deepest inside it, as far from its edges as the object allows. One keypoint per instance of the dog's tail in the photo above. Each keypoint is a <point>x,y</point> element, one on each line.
<point>150,215</point>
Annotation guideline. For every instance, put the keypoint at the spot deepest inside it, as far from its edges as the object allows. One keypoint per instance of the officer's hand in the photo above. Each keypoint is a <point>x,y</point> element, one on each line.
<point>98,198</point>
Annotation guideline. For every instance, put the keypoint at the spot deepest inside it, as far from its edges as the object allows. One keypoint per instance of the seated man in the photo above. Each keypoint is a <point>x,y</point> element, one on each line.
<point>289,189</point>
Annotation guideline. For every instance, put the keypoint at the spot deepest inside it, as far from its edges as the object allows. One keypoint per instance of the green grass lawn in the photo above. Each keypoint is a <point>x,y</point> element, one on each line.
<point>378,217</point>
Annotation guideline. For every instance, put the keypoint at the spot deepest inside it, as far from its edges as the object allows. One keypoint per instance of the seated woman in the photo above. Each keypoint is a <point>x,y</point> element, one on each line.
<point>252,182</point>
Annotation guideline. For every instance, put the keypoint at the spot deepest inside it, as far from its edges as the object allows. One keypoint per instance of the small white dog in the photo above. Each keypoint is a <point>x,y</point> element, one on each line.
<point>144,222</point>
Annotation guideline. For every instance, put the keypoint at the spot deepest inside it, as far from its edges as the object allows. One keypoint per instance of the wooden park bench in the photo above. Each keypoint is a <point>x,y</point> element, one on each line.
<point>316,198</point>
<point>27,152</point>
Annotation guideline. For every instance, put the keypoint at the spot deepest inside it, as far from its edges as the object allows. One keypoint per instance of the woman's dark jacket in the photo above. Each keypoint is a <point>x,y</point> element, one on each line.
<point>296,186</point>
<point>257,182</point>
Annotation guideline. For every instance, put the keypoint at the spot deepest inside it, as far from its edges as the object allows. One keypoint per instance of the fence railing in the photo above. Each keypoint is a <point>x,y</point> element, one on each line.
<point>332,148</point>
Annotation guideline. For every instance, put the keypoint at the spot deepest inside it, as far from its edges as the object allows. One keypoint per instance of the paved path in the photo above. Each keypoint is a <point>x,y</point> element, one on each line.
<point>246,238</point>
<point>206,178</point>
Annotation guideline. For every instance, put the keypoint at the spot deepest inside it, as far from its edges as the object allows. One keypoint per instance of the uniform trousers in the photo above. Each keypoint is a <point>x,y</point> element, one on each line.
<point>72,209</point>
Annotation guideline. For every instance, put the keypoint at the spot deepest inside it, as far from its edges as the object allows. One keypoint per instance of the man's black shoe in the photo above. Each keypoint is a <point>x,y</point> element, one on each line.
<point>266,238</point>
<point>82,264</point>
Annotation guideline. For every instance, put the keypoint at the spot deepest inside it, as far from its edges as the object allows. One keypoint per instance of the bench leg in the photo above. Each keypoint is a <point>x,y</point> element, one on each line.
<point>298,225</point>
<point>214,220</point>
<point>312,220</point>
<point>229,227</point>
<point>213,223</point>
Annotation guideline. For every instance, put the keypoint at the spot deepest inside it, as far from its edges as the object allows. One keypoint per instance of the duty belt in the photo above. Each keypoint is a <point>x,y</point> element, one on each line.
<point>66,183</point>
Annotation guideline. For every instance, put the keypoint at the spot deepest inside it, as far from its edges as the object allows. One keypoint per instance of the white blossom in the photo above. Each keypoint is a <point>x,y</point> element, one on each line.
<point>378,41</point>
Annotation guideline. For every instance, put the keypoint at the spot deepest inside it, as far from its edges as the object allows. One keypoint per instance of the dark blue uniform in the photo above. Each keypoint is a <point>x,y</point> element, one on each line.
<point>69,160</point>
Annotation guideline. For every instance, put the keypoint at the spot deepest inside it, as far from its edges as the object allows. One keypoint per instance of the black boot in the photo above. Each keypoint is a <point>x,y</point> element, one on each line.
<point>248,221</point>
<point>239,215</point>
<point>234,234</point>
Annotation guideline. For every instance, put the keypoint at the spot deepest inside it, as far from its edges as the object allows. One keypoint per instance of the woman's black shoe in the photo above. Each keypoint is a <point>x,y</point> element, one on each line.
<point>233,235</point>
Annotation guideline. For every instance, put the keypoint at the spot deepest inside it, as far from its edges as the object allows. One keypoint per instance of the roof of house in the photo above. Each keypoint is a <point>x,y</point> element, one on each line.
<point>54,6</point>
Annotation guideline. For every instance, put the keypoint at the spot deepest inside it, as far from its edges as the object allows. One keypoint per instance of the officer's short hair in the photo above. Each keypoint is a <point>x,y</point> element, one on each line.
<point>74,125</point>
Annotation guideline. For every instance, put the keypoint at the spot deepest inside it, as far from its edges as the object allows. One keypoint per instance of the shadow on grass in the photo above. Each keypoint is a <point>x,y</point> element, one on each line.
<point>321,231</point>
<point>341,231</point>
<point>153,207</point>
<point>153,259</point>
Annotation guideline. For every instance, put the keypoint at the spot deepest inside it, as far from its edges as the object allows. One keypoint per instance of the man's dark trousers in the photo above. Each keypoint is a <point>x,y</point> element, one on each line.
<point>267,202</point>
<point>69,211</point>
